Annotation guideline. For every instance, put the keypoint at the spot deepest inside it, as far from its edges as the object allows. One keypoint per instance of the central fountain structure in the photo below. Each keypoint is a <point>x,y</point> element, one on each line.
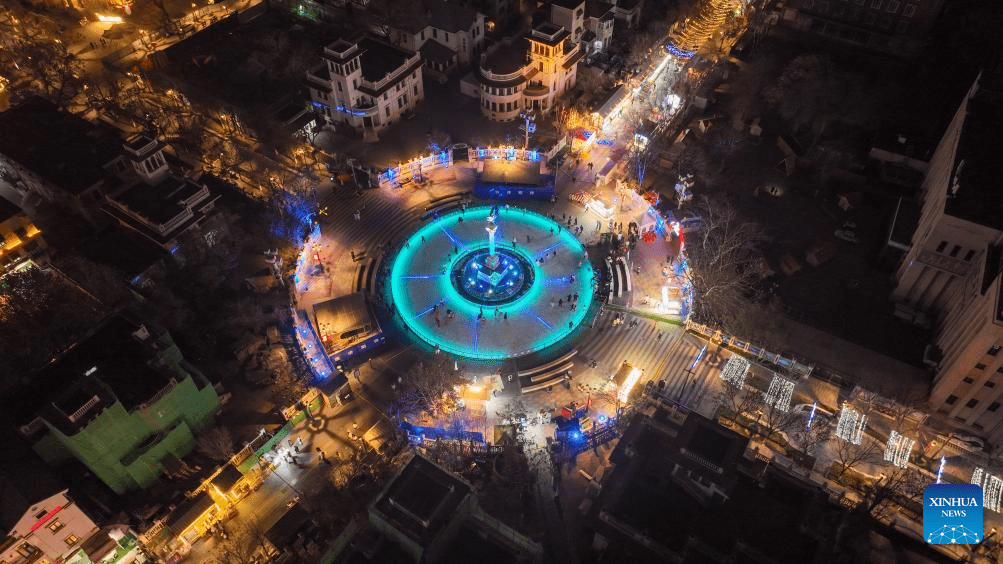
<point>492,259</point>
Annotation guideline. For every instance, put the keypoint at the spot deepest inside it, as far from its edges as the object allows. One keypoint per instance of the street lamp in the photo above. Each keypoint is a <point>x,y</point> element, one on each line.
<point>528,126</point>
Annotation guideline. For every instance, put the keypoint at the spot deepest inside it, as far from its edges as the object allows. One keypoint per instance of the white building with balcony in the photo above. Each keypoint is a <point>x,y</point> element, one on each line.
<point>366,83</point>
<point>529,73</point>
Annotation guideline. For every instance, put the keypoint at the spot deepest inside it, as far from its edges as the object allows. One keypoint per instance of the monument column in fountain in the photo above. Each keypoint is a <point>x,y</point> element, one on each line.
<point>491,261</point>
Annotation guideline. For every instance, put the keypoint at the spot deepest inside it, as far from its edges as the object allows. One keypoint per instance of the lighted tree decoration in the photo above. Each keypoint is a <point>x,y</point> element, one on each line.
<point>687,37</point>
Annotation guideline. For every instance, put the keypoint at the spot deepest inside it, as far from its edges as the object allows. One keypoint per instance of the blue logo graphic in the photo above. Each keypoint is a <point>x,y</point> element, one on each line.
<point>952,513</point>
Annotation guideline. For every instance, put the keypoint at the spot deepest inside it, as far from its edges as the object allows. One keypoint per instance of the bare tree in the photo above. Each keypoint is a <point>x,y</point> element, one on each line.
<point>849,455</point>
<point>216,443</point>
<point>429,388</point>
<point>737,400</point>
<point>900,485</point>
<point>244,544</point>
<point>809,438</point>
<point>719,254</point>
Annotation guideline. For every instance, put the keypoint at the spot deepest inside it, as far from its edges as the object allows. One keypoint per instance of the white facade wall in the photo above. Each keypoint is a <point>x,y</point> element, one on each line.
<point>60,528</point>
<point>367,107</point>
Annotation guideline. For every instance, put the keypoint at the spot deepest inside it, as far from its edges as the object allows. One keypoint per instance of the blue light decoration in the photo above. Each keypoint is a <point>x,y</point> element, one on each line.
<point>602,419</point>
<point>443,157</point>
<point>349,111</point>
<point>510,153</point>
<point>811,416</point>
<point>481,153</point>
<point>391,173</point>
<point>606,142</point>
<point>586,135</point>
<point>319,105</point>
<point>678,52</point>
<point>534,156</point>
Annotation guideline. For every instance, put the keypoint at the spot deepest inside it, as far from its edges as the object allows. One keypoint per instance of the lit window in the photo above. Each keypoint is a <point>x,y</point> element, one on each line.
<point>55,525</point>
<point>71,540</point>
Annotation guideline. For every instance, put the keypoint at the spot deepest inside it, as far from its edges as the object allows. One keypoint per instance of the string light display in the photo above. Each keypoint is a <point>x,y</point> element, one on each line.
<point>735,370</point>
<point>898,448</point>
<point>851,424</point>
<point>992,488</point>
<point>779,394</point>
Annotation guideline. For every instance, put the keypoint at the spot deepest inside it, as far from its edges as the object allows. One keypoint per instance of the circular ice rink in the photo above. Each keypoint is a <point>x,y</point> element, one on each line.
<point>456,289</point>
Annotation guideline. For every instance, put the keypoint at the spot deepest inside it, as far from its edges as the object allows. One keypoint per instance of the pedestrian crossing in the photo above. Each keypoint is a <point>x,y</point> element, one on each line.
<point>664,351</point>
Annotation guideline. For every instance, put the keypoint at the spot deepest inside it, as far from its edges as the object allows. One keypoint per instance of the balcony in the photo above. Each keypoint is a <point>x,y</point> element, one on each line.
<point>536,90</point>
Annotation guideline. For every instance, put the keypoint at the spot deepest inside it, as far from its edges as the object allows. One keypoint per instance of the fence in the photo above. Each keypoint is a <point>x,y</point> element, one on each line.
<point>416,168</point>
<point>716,335</point>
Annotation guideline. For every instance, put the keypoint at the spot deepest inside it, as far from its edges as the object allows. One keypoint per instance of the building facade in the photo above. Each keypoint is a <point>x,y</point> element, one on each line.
<point>952,270</point>
<point>121,402</point>
<point>154,201</point>
<point>448,37</point>
<point>569,14</point>
<point>528,74</point>
<point>20,240</point>
<point>55,529</point>
<point>367,84</point>
<point>897,27</point>
<point>599,20</point>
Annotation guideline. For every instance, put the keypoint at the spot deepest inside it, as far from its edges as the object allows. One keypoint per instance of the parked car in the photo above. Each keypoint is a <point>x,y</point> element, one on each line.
<point>846,235</point>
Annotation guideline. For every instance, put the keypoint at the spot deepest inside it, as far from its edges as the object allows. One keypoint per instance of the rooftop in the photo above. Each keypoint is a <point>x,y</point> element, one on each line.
<point>159,203</point>
<point>641,494</point>
<point>481,545</point>
<point>598,8</point>
<point>19,492</point>
<point>112,355</point>
<point>436,52</point>
<point>67,151</point>
<point>978,198</point>
<point>422,499</point>
<point>123,250</point>
<point>507,58</point>
<point>188,511</point>
<point>7,210</point>
<point>344,321</point>
<point>569,4</point>
<point>379,59</point>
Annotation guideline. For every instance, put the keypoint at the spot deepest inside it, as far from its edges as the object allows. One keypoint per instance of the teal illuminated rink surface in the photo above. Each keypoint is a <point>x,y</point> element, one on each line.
<point>420,279</point>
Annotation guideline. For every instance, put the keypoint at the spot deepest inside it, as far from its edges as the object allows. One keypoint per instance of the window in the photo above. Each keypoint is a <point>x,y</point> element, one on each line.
<point>415,89</point>
<point>893,6</point>
<point>970,253</point>
<point>386,111</point>
<point>876,4</point>
<point>435,33</point>
<point>980,366</point>
<point>955,250</point>
<point>447,37</point>
<point>968,380</point>
<point>951,399</point>
<point>972,403</point>
<point>989,384</point>
<point>27,550</point>
<point>993,406</point>
<point>943,244</point>
<point>55,525</point>
<point>71,540</point>
<point>994,350</point>
<point>909,10</point>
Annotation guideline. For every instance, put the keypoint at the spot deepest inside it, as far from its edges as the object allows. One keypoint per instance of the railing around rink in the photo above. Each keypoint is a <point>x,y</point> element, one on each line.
<point>419,167</point>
